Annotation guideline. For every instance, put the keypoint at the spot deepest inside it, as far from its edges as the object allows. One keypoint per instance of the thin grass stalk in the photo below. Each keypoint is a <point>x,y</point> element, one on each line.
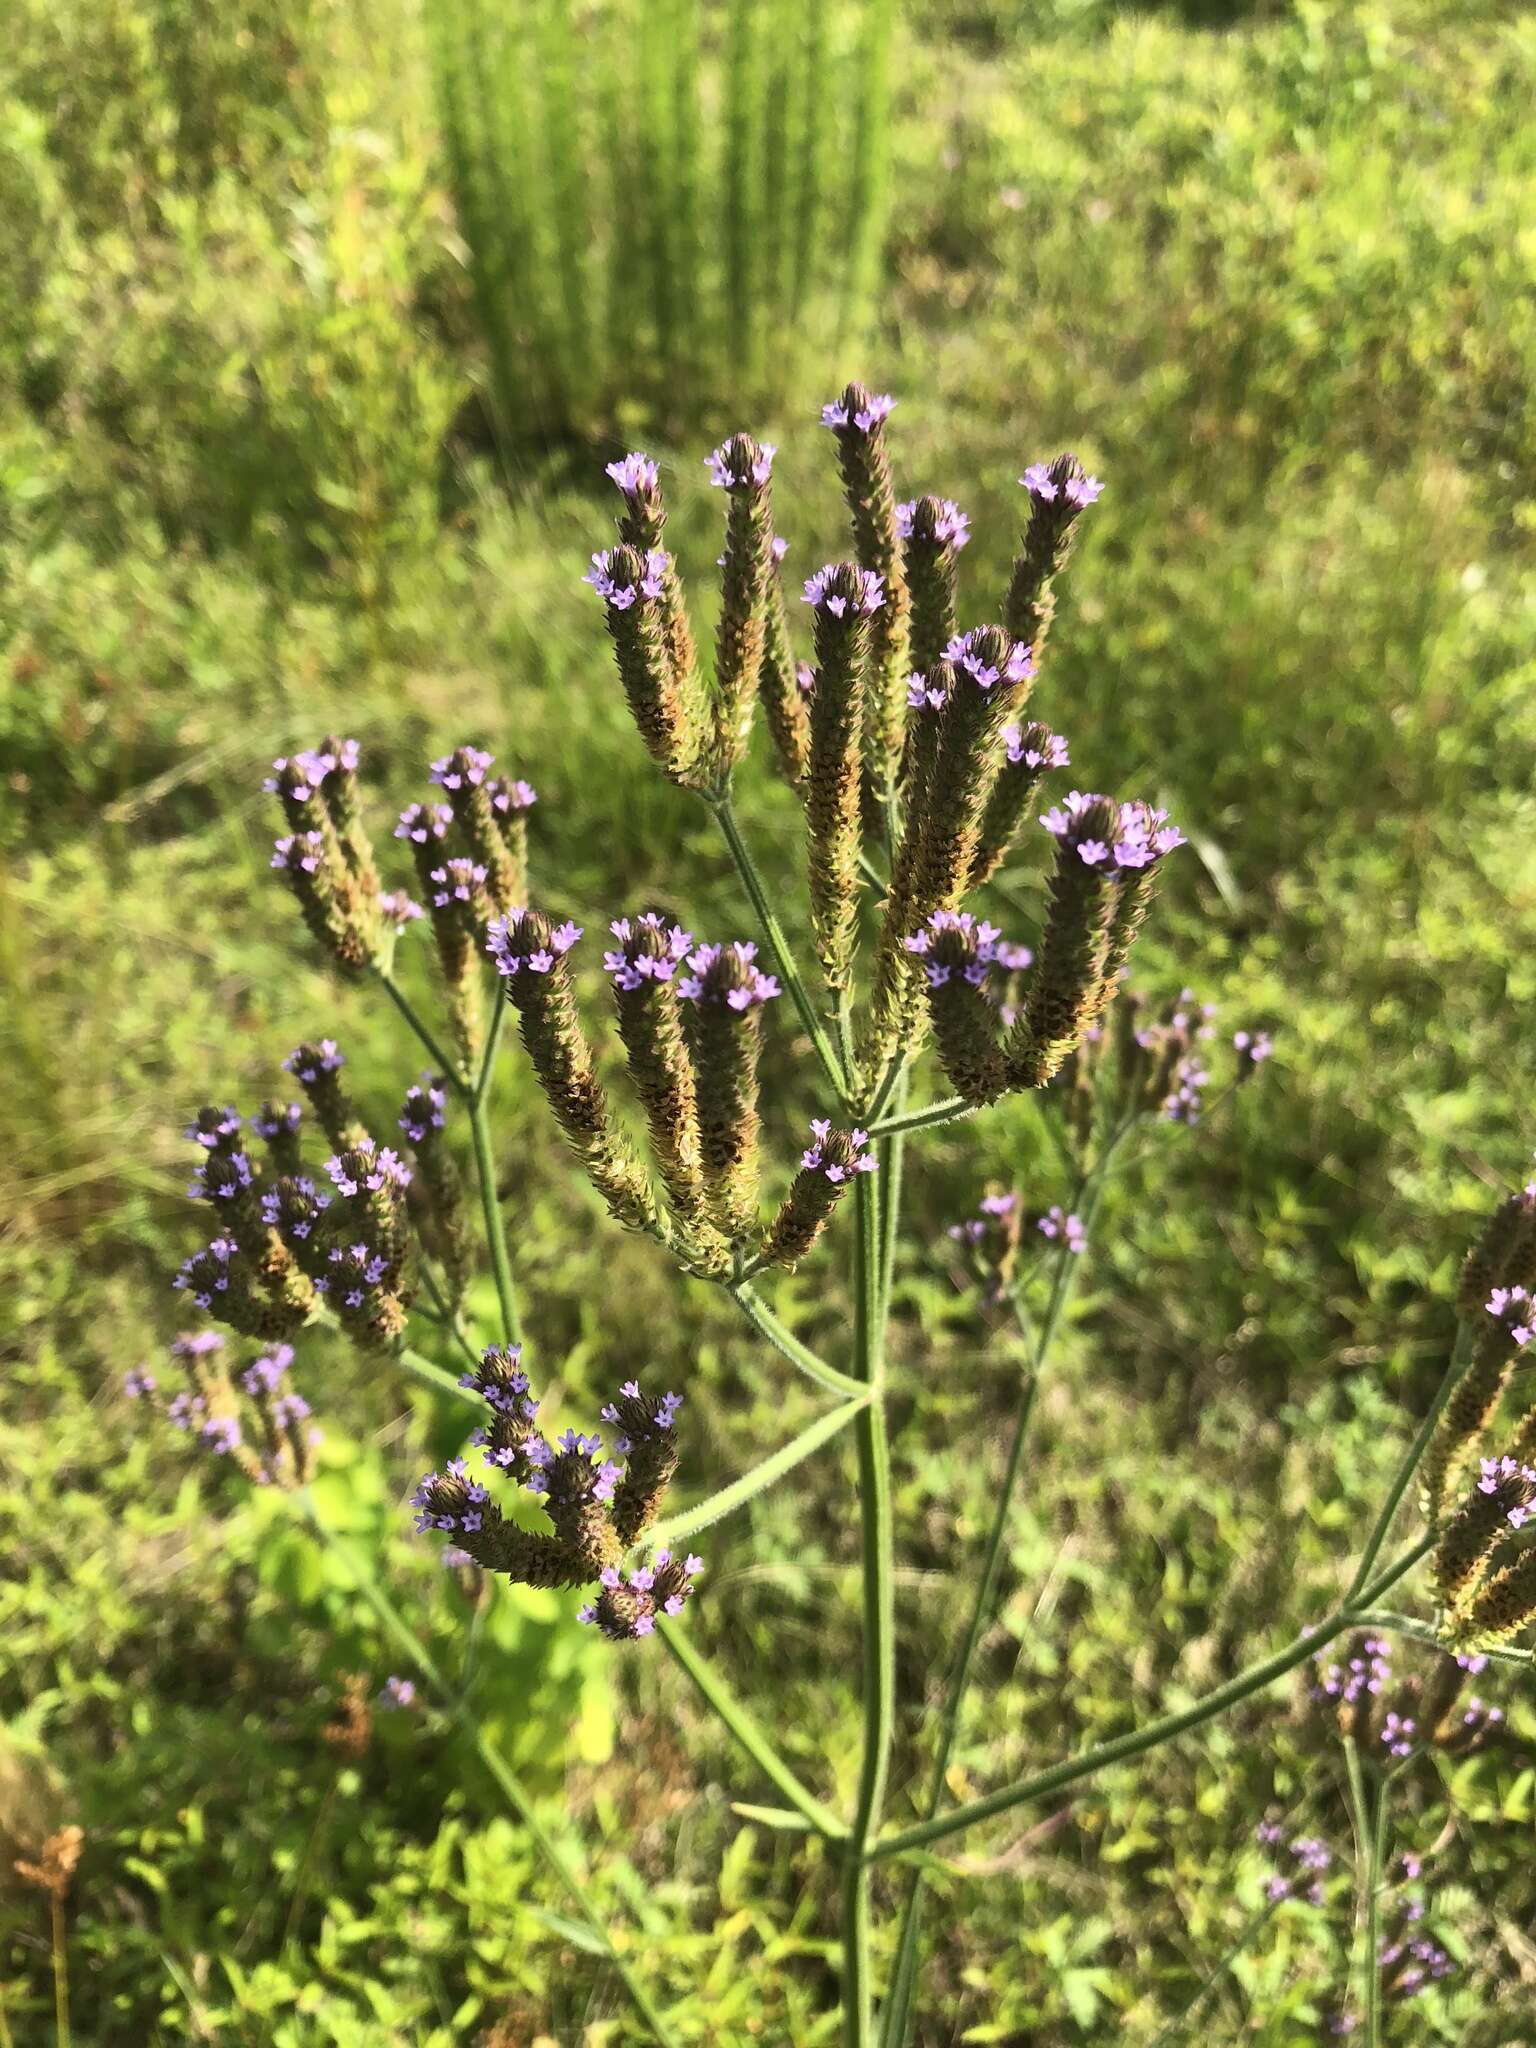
<point>870,173</point>
<point>570,209</point>
<point>687,232</point>
<point>450,1067</point>
<point>458,1708</point>
<point>1241,1942</point>
<point>811,197</point>
<point>788,1345</point>
<point>450,35</point>
<point>655,55</point>
<point>740,185</point>
<point>1461,1352</point>
<point>519,279</point>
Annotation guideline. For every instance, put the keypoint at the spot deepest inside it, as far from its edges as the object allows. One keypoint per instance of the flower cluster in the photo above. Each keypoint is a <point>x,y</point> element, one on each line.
<point>828,1166</point>
<point>622,575</point>
<point>845,592</point>
<point>1295,1859</point>
<point>248,1415</point>
<point>285,1246</point>
<point>599,1500</point>
<point>628,1602</point>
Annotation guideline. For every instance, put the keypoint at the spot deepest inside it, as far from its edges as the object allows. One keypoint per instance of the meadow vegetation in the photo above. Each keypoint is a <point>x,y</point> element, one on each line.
<point>1270,273</point>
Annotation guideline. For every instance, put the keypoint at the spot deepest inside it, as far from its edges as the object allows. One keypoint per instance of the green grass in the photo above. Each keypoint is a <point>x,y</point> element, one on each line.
<point>1270,279</point>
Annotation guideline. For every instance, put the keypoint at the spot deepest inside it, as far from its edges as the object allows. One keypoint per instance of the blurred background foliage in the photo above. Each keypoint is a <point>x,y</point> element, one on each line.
<point>1270,269</point>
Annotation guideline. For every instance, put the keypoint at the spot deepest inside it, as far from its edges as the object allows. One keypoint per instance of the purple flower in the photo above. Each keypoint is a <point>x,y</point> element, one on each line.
<point>421,822</point>
<point>512,796</point>
<point>635,475</point>
<point>308,1063</point>
<point>728,974</point>
<point>923,696</point>
<point>1037,481</point>
<point>506,944</point>
<point>458,881</point>
<point>425,1109</point>
<point>620,596</point>
<point>965,650</point>
<point>950,526</point>
<point>836,413</point>
<point>264,1375</point>
<point>869,591</point>
<point>779,548</point>
<point>221,1433</point>
<point>972,945</point>
<point>138,1382</point>
<point>1083,490</point>
<point>837,1154</point>
<point>299,852</point>
<point>1058,1224</point>
<point>649,949</point>
<point>728,470</point>
<point>465,766</point>
<point>1036,748</point>
<point>397,1694</point>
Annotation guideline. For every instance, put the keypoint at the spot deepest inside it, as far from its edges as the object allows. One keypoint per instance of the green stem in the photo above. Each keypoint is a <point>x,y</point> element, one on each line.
<point>879,1617</point>
<point>495,1230</point>
<point>682,1528</point>
<point>499,1008</point>
<point>436,1376</point>
<point>449,1317</point>
<point>60,1969</point>
<point>1388,1623</point>
<point>767,1324</point>
<point>949,1111</point>
<point>778,945</point>
<point>1367,1878</point>
<point>1164,1729</point>
<point>1410,1464</point>
<point>1374,1865</point>
<point>890,1210</point>
<point>748,1734</point>
<point>452,1069</point>
<point>411,1645</point>
<point>1086,1197</point>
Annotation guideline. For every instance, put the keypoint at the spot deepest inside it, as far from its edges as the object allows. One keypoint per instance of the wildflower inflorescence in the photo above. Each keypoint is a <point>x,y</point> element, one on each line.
<point>599,1498</point>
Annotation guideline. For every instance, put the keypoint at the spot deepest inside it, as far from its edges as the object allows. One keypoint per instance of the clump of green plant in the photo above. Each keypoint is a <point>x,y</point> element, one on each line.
<point>907,742</point>
<point>670,206</point>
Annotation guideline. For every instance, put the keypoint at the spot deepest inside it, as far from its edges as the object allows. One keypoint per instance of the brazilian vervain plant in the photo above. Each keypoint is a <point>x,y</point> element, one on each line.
<point>691,194</point>
<point>909,739</point>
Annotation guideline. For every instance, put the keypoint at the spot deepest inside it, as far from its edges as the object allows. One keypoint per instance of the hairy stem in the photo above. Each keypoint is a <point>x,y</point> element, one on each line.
<point>1412,1458</point>
<point>495,1230</point>
<point>751,1738</point>
<point>778,945</point>
<point>683,1527</point>
<point>879,1618</point>
<point>1137,1740</point>
<point>437,1376</point>
<point>1085,1198</point>
<point>948,1111</point>
<point>452,1068</point>
<point>788,1345</point>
